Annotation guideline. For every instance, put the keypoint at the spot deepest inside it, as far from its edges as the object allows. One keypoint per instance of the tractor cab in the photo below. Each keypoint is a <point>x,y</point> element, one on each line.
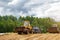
<point>25,29</point>
<point>36,30</point>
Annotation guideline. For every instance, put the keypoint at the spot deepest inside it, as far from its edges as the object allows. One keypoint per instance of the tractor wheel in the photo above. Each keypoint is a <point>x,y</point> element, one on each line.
<point>26,31</point>
<point>31,32</point>
<point>19,32</point>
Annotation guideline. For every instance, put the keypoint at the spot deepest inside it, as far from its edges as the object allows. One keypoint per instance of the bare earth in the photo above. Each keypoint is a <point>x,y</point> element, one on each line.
<point>15,36</point>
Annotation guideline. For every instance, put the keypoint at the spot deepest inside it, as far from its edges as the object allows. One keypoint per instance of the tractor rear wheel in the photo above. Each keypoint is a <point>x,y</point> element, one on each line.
<point>26,31</point>
<point>19,32</point>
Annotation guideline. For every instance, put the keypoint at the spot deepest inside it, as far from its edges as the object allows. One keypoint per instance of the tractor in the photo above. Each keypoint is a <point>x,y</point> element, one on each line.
<point>53,29</point>
<point>25,29</point>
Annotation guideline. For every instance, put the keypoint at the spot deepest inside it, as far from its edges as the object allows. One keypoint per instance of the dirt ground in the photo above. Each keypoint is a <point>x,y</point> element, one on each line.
<point>15,36</point>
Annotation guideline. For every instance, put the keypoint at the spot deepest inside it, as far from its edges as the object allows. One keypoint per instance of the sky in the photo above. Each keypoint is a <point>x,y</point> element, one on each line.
<point>36,8</point>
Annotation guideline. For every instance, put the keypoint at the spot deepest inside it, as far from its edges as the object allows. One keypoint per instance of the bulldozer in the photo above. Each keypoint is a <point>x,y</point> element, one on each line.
<point>25,29</point>
<point>53,29</point>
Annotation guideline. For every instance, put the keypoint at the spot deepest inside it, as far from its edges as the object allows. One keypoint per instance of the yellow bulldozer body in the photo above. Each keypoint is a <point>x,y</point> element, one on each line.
<point>27,24</point>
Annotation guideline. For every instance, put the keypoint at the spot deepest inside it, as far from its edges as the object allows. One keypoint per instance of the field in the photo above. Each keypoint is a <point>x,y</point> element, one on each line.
<point>15,36</point>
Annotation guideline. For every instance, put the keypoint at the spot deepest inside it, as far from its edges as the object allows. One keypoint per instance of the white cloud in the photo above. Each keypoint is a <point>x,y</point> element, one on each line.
<point>54,11</point>
<point>14,2</point>
<point>21,14</point>
<point>1,9</point>
<point>3,13</point>
<point>37,11</point>
<point>38,8</point>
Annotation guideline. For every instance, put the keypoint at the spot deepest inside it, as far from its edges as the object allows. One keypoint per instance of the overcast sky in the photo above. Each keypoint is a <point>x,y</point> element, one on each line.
<point>37,8</point>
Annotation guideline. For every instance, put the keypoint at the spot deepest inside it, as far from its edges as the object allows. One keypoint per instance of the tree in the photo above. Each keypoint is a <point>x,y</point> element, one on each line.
<point>8,23</point>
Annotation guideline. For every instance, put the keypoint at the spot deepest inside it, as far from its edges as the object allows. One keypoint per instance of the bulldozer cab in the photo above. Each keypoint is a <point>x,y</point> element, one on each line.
<point>54,25</point>
<point>27,24</point>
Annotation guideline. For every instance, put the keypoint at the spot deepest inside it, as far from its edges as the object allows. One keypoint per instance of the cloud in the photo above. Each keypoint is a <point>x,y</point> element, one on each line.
<point>54,11</point>
<point>37,8</point>
<point>4,3</point>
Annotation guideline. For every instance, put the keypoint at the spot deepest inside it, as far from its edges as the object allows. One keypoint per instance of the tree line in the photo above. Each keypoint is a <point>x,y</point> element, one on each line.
<point>8,23</point>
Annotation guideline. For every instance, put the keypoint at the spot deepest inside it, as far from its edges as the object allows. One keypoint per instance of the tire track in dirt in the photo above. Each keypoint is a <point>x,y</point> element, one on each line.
<point>55,36</point>
<point>42,37</point>
<point>47,37</point>
<point>58,37</point>
<point>31,37</point>
<point>34,37</point>
<point>51,37</point>
<point>26,38</point>
<point>23,37</point>
<point>38,37</point>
